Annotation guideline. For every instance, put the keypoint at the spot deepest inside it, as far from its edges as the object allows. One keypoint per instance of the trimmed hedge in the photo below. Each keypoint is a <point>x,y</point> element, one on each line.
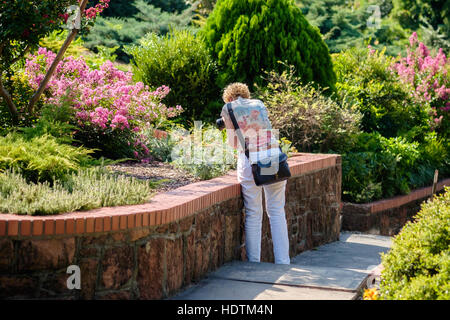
<point>418,265</point>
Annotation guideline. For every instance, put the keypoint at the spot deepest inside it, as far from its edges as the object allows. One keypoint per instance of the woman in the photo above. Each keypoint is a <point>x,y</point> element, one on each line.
<point>252,118</point>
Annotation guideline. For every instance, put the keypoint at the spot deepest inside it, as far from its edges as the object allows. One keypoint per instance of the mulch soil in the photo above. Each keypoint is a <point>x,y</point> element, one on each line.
<point>156,171</point>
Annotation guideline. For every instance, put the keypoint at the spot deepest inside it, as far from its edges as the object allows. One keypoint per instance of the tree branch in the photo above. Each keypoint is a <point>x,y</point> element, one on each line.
<point>55,63</point>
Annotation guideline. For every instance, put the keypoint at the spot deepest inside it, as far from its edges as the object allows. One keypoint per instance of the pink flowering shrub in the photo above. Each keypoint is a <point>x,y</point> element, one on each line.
<point>92,12</point>
<point>109,109</point>
<point>428,80</point>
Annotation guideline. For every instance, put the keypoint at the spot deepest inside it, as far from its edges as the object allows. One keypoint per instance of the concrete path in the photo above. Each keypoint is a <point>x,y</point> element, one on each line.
<point>335,271</point>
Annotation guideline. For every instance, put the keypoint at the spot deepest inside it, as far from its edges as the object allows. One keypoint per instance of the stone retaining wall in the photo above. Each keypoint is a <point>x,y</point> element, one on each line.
<point>388,216</point>
<point>150,251</point>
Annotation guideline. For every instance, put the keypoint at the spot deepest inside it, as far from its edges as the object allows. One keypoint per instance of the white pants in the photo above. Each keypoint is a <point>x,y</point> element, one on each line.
<point>275,200</point>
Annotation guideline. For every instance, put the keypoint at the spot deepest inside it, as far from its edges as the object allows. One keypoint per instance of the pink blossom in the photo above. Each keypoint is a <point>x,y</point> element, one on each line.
<point>426,78</point>
<point>413,39</point>
<point>82,115</point>
<point>120,122</point>
<point>105,98</point>
<point>424,74</point>
<point>423,50</point>
<point>100,117</point>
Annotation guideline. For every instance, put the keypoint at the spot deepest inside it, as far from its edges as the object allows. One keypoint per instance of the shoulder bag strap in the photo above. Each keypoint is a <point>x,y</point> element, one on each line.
<point>237,129</point>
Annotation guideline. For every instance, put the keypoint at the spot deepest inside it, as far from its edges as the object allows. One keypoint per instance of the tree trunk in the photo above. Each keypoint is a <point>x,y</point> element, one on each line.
<point>9,102</point>
<point>6,96</point>
<point>58,58</point>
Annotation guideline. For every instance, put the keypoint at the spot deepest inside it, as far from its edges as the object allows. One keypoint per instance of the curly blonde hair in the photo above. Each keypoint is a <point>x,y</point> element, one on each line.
<point>235,90</point>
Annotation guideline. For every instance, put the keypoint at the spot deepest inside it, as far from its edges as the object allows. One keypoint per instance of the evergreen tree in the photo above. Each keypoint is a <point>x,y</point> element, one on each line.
<point>344,23</point>
<point>249,36</point>
<point>410,13</point>
<point>431,17</point>
<point>127,8</point>
<point>119,31</point>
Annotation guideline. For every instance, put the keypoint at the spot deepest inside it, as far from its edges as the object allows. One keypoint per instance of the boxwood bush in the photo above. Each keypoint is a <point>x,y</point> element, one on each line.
<point>418,264</point>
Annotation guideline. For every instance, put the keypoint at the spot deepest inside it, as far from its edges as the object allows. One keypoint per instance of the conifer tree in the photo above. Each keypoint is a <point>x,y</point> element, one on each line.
<point>249,36</point>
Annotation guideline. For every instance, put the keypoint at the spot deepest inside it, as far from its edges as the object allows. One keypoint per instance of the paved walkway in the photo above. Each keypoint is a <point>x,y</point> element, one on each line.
<point>334,271</point>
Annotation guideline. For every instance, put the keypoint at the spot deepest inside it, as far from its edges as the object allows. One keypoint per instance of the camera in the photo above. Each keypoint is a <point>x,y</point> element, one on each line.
<point>220,124</point>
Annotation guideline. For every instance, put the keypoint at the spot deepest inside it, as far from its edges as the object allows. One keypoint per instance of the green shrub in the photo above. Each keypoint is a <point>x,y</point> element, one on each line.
<point>160,147</point>
<point>247,36</point>
<point>181,61</point>
<point>54,121</point>
<point>41,158</point>
<point>417,267</point>
<point>77,49</point>
<point>16,83</point>
<point>119,32</point>
<point>378,167</point>
<point>399,157</point>
<point>312,121</point>
<point>55,40</point>
<point>434,155</point>
<point>364,81</point>
<point>111,144</point>
<point>360,181</point>
<point>203,152</point>
<point>84,190</point>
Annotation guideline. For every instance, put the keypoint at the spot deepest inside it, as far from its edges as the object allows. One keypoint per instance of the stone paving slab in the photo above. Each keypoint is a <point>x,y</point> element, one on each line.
<point>332,271</point>
<point>353,251</point>
<point>222,289</point>
<point>293,275</point>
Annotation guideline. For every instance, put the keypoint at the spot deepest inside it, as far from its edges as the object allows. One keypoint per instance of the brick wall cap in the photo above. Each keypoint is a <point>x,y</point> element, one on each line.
<point>396,201</point>
<point>198,195</point>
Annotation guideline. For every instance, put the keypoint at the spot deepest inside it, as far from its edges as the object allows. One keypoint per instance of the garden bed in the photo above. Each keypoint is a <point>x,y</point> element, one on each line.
<point>387,216</point>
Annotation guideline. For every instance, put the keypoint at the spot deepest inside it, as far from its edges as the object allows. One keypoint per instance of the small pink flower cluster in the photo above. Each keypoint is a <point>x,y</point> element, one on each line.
<point>106,99</point>
<point>92,12</point>
<point>427,76</point>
